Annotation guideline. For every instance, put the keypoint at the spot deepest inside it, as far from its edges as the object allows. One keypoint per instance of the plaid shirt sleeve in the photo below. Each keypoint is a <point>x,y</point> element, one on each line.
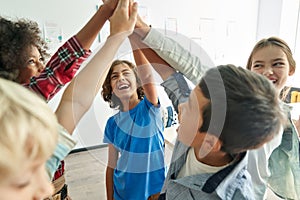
<point>60,69</point>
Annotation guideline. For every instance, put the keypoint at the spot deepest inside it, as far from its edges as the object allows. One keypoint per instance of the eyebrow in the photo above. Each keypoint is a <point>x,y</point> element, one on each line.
<point>278,59</point>
<point>273,60</point>
<point>124,70</point>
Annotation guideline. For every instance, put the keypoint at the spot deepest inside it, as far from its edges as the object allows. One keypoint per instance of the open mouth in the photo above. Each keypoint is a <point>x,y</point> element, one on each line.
<point>274,81</point>
<point>123,87</point>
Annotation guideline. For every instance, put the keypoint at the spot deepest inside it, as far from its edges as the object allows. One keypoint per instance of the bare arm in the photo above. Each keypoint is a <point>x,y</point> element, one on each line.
<point>160,65</point>
<point>111,164</point>
<point>80,93</point>
<point>145,72</point>
<point>89,32</point>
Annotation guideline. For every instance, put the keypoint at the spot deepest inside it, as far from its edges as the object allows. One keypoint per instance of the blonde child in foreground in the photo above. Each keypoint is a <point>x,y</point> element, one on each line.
<point>23,117</point>
<point>28,138</point>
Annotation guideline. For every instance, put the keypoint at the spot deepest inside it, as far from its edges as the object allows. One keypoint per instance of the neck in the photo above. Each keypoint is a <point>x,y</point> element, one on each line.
<point>129,104</point>
<point>216,159</point>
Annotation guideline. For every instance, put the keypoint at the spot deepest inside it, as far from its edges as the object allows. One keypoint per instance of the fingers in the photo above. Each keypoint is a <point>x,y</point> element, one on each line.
<point>124,17</point>
<point>123,4</point>
<point>133,12</point>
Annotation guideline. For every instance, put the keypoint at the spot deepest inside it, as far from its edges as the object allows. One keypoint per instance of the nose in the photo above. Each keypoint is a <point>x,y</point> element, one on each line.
<point>40,66</point>
<point>121,78</point>
<point>268,70</point>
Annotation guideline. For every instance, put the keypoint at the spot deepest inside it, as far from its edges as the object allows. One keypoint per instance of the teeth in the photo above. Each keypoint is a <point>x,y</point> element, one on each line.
<point>121,87</point>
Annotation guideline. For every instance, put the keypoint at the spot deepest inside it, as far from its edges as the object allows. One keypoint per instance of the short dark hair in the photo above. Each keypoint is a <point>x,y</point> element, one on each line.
<point>244,109</point>
<point>107,91</point>
<point>16,39</point>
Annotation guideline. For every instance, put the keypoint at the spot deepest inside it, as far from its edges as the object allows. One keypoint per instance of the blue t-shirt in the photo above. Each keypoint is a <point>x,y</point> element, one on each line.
<point>138,135</point>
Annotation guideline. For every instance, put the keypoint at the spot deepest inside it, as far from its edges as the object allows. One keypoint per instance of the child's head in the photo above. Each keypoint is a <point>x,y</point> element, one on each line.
<point>235,106</point>
<point>28,137</point>
<point>272,58</point>
<point>121,83</point>
<point>22,50</point>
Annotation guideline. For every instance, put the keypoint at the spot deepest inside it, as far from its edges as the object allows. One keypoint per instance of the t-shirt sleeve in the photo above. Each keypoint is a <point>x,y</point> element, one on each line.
<point>65,144</point>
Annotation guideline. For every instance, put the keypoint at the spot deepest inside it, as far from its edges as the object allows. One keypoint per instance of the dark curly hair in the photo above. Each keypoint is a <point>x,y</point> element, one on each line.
<point>16,39</point>
<point>107,91</point>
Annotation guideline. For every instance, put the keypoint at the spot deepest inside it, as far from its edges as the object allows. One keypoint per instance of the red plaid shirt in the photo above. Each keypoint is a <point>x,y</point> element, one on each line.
<point>59,70</point>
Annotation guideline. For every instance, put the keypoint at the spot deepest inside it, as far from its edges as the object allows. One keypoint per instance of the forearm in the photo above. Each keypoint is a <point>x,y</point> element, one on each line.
<point>80,93</point>
<point>89,32</point>
<point>178,57</point>
<point>109,183</point>
<point>160,65</point>
<point>144,70</point>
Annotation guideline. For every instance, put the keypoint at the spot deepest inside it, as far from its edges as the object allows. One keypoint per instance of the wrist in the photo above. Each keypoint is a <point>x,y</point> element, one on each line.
<point>106,8</point>
<point>143,31</point>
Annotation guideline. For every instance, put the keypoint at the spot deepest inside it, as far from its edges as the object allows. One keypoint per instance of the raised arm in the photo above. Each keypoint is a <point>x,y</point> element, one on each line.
<point>89,32</point>
<point>193,67</point>
<point>65,62</point>
<point>144,70</point>
<point>80,93</point>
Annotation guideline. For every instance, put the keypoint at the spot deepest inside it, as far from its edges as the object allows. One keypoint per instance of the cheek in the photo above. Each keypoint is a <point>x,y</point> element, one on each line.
<point>26,74</point>
<point>258,71</point>
<point>282,74</point>
<point>188,129</point>
<point>113,84</point>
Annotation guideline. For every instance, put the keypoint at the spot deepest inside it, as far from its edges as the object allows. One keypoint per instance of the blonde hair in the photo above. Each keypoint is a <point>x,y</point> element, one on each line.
<point>28,128</point>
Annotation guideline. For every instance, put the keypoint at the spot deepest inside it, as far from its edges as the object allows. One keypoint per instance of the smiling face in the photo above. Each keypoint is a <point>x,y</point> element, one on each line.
<point>123,82</point>
<point>34,66</point>
<point>31,183</point>
<point>272,62</point>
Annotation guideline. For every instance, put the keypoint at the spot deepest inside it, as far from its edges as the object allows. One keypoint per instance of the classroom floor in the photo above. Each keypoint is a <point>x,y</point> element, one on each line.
<point>85,174</point>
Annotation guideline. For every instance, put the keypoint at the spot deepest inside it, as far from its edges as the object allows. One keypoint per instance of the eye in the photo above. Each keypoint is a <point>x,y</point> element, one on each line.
<point>113,77</point>
<point>279,64</point>
<point>21,185</point>
<point>256,66</point>
<point>31,61</point>
<point>41,60</point>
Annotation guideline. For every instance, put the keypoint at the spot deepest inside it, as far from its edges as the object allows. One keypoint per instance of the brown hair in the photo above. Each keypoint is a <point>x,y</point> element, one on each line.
<point>107,92</point>
<point>251,115</point>
<point>275,41</point>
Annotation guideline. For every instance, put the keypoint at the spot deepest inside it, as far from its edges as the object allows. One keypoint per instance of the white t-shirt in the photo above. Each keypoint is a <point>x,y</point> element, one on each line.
<point>192,166</point>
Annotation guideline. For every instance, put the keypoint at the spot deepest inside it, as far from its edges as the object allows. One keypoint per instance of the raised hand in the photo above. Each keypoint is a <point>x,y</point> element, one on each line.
<point>124,18</point>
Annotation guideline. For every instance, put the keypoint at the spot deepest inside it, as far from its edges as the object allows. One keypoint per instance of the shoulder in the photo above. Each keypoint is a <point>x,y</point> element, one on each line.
<point>148,104</point>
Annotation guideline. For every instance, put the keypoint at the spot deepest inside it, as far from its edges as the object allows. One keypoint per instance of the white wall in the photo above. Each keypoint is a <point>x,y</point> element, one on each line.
<point>280,18</point>
<point>227,30</point>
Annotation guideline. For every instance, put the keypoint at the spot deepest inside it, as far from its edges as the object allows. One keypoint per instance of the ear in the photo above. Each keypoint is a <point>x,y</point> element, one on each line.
<point>292,71</point>
<point>211,143</point>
